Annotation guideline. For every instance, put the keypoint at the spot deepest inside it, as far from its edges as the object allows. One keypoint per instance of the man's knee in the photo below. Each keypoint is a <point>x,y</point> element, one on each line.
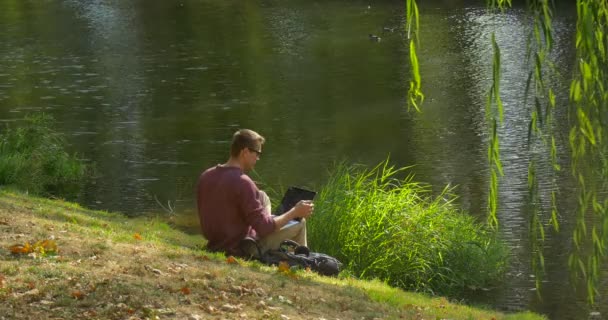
<point>264,199</point>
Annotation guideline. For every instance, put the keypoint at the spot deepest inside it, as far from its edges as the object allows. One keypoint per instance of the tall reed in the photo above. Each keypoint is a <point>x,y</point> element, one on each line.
<point>33,159</point>
<point>391,228</point>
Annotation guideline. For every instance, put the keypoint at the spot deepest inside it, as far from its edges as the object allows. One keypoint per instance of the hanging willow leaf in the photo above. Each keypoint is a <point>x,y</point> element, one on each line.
<point>415,95</point>
<point>494,116</point>
<point>541,115</point>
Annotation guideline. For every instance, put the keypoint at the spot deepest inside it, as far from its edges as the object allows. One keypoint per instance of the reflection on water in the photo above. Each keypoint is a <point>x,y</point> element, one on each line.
<point>150,92</point>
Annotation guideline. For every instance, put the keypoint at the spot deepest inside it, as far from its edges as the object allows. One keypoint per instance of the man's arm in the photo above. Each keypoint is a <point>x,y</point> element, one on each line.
<point>303,209</point>
<point>252,209</point>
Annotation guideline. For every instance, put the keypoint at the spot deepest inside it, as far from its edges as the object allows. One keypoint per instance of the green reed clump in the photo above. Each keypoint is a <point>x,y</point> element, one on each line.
<point>33,159</point>
<point>393,229</point>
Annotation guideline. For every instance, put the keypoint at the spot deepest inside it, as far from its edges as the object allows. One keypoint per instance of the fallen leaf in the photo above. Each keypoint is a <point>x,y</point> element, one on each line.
<point>90,313</point>
<point>43,247</point>
<point>285,300</point>
<point>156,271</point>
<point>185,290</point>
<point>210,309</point>
<point>49,246</point>
<point>1,281</point>
<point>137,236</point>
<point>223,296</point>
<point>231,260</point>
<point>261,305</point>
<point>284,267</point>
<point>166,311</point>
<point>259,292</point>
<point>230,308</point>
<point>239,290</point>
<point>77,294</point>
<point>21,249</point>
<point>33,292</point>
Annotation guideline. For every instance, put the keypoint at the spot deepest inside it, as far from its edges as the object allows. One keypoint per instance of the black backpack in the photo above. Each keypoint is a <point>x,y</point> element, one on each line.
<point>297,255</point>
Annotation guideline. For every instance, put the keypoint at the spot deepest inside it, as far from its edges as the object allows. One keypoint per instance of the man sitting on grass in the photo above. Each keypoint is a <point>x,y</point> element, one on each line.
<point>231,208</point>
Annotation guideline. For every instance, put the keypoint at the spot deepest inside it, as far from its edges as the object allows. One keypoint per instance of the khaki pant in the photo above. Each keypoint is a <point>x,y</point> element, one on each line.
<point>295,232</point>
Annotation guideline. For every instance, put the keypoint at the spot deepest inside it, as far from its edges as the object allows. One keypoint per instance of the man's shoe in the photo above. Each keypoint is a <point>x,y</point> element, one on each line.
<point>250,249</point>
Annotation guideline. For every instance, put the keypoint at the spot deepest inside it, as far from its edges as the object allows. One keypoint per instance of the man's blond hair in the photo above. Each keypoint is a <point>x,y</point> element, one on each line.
<point>245,138</point>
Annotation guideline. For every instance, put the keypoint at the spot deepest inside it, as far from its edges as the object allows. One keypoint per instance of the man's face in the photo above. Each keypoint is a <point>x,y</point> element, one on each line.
<point>251,156</point>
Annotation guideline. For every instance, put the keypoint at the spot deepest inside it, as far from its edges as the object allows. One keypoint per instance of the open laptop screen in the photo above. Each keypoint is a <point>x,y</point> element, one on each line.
<point>291,198</point>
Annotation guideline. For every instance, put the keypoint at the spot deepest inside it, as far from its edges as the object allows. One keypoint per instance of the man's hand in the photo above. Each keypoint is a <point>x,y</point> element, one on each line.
<point>302,209</point>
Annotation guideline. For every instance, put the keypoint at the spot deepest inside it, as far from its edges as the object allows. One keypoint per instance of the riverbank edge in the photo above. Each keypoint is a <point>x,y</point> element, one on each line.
<point>108,266</point>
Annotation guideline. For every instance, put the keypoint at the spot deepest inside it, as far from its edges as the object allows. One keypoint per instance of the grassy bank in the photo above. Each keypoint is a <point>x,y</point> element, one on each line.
<point>99,265</point>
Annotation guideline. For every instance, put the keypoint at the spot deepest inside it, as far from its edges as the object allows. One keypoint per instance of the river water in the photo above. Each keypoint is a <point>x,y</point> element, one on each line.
<point>149,93</point>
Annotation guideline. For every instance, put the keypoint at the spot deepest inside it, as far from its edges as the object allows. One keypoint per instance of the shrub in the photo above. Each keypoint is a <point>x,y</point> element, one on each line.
<point>33,159</point>
<point>393,229</point>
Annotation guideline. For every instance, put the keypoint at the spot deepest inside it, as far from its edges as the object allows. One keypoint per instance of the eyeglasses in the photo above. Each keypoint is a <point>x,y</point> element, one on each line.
<point>259,153</point>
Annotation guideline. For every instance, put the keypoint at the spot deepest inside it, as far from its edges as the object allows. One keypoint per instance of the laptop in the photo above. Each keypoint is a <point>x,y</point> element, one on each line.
<point>291,198</point>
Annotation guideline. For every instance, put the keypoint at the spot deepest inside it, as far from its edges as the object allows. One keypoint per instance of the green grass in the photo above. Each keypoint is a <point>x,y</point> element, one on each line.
<point>393,229</point>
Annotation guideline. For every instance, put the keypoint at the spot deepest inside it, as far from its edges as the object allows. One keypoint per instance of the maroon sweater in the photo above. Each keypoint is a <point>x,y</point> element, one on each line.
<point>229,209</point>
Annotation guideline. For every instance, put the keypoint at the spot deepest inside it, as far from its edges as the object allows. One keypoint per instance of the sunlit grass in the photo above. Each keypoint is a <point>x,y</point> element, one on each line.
<point>390,228</point>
